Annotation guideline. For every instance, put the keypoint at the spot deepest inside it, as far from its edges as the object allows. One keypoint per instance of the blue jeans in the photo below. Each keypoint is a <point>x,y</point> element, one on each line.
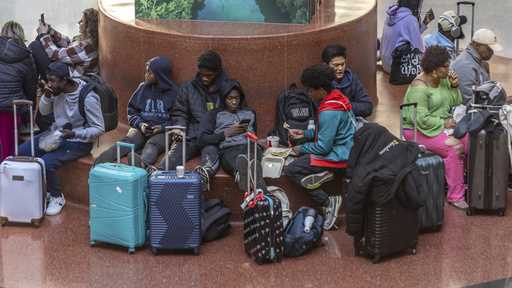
<point>67,151</point>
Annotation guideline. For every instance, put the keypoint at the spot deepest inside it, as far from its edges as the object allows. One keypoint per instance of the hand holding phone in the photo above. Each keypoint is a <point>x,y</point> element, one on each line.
<point>429,17</point>
<point>245,123</point>
<point>43,27</point>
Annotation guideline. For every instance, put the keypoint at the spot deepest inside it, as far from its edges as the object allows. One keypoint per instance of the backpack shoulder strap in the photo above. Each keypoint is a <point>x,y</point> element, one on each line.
<point>81,99</point>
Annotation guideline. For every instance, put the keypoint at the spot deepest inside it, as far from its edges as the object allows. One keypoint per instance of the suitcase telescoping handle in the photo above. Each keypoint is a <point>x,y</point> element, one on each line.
<point>251,138</point>
<point>472,3</point>
<point>120,144</point>
<point>168,132</point>
<point>15,105</point>
<point>414,105</point>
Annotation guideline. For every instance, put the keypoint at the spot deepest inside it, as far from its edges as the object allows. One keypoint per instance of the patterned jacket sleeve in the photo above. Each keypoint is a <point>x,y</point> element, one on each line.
<point>76,53</point>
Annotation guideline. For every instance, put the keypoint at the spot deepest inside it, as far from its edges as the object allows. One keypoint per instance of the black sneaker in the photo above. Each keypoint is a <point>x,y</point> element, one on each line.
<point>314,181</point>
<point>205,178</point>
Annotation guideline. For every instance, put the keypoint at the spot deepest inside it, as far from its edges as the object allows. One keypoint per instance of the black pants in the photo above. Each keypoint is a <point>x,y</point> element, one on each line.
<point>301,168</point>
<point>228,161</point>
<point>152,147</point>
<point>41,59</point>
<point>209,156</point>
<point>228,158</point>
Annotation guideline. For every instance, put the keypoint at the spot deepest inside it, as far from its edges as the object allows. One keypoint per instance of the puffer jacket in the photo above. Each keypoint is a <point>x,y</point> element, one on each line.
<point>194,100</point>
<point>17,74</point>
<point>375,168</point>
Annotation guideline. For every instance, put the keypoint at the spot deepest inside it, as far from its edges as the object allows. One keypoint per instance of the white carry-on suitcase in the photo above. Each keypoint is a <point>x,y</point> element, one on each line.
<point>22,182</point>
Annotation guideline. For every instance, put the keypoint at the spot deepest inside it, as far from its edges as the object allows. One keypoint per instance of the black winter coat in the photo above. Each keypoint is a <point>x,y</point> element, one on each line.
<point>192,104</point>
<point>17,74</point>
<point>375,161</point>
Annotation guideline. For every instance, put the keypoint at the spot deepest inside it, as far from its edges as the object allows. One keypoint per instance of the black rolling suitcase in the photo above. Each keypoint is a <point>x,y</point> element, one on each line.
<point>431,215</point>
<point>262,217</point>
<point>389,229</point>
<point>489,166</point>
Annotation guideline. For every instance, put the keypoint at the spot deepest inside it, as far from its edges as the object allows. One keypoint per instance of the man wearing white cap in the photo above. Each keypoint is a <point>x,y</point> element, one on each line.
<point>471,65</point>
<point>449,29</point>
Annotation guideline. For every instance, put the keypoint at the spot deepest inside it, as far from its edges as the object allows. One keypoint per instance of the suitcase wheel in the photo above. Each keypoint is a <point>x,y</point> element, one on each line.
<point>36,222</point>
<point>195,251</point>
<point>376,259</point>
<point>92,243</point>
<point>470,212</point>
<point>154,251</point>
<point>131,250</point>
<point>501,212</point>
<point>412,251</point>
<point>3,221</point>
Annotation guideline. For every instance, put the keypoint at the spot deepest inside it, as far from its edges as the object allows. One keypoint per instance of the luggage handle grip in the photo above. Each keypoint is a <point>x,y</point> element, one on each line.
<point>466,3</point>
<point>183,141</point>
<point>15,103</point>
<point>415,104</point>
<point>120,144</point>
<point>414,119</point>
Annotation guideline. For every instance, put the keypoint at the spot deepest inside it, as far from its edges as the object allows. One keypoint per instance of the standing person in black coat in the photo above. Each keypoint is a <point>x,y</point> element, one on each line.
<point>346,81</point>
<point>195,98</point>
<point>17,80</point>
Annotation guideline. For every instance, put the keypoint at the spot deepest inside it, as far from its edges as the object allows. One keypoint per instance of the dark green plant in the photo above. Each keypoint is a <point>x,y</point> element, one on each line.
<point>297,9</point>
<point>163,9</point>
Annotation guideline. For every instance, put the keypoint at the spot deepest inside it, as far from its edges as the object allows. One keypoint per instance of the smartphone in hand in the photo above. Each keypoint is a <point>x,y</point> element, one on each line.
<point>429,16</point>
<point>245,123</point>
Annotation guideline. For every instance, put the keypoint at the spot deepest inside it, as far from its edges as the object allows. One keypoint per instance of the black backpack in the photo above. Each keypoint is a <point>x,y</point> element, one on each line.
<point>298,241</point>
<point>294,107</point>
<point>108,99</point>
<point>215,220</point>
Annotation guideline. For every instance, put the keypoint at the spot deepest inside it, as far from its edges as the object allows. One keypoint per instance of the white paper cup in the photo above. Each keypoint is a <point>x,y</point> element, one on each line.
<point>273,141</point>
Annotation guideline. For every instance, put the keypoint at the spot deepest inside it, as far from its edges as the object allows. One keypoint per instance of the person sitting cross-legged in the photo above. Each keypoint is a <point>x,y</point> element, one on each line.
<point>329,143</point>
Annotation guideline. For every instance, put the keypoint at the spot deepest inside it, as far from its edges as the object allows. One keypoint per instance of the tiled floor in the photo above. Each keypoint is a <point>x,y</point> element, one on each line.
<point>467,251</point>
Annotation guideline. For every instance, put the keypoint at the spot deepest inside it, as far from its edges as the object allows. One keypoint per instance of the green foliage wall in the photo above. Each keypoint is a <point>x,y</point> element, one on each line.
<point>163,9</point>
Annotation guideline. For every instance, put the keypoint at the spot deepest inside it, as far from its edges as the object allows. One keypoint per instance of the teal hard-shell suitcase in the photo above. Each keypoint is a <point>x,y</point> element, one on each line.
<point>117,204</point>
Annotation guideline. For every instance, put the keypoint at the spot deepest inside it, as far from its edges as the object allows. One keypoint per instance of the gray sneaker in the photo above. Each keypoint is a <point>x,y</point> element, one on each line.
<point>331,212</point>
<point>314,181</point>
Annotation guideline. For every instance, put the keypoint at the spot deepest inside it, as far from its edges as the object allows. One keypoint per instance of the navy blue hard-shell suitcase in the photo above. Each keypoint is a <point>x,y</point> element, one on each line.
<point>174,208</point>
<point>431,215</point>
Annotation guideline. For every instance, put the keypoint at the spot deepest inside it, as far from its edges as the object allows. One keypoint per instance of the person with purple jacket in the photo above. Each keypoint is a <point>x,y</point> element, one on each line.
<point>402,26</point>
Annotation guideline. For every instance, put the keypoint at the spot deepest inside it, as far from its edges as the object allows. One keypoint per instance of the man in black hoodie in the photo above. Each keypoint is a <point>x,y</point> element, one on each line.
<point>194,100</point>
<point>225,128</point>
<point>346,81</point>
<point>149,111</point>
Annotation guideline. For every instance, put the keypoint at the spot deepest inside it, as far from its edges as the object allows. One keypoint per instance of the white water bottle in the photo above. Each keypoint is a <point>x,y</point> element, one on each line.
<point>311,125</point>
<point>308,222</point>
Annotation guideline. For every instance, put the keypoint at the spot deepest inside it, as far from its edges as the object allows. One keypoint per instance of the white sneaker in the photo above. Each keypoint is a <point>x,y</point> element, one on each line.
<point>55,205</point>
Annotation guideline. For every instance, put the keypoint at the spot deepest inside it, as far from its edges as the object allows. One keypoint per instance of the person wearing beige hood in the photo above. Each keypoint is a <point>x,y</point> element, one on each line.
<point>471,65</point>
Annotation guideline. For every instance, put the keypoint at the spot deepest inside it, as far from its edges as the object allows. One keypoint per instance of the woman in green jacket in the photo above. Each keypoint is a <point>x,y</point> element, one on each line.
<point>436,92</point>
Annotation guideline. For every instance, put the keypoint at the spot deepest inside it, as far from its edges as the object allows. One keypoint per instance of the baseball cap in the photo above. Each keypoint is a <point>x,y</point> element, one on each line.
<point>487,37</point>
<point>447,25</point>
<point>58,69</point>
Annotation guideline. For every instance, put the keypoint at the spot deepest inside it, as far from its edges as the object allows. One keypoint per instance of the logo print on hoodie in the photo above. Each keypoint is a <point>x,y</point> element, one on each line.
<point>155,108</point>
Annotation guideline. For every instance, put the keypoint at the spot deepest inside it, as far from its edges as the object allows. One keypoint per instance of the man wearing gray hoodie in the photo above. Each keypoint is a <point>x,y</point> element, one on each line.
<point>60,97</point>
<point>471,65</point>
